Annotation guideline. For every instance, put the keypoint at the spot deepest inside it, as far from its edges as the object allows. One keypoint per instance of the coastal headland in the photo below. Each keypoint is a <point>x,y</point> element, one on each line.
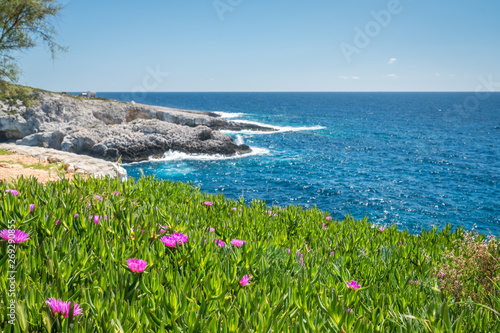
<point>113,130</point>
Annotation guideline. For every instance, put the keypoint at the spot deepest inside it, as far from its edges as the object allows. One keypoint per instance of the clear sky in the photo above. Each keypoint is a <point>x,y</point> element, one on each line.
<point>271,45</point>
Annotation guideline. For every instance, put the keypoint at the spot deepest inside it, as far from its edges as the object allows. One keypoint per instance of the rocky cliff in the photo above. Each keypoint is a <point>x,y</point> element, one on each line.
<point>110,129</point>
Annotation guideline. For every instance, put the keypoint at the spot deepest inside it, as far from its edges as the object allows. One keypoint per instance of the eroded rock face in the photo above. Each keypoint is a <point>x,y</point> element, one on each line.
<point>109,129</point>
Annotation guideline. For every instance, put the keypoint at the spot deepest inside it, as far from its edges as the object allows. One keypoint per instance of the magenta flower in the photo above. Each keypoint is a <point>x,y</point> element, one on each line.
<point>350,310</point>
<point>324,226</point>
<point>98,197</point>
<point>137,265</point>
<point>245,280</point>
<point>57,222</point>
<point>288,251</point>
<point>14,192</point>
<point>333,253</point>
<point>329,218</point>
<point>208,203</point>
<point>32,206</point>
<point>220,243</point>
<point>381,229</point>
<point>414,282</point>
<point>234,208</point>
<point>174,239</point>
<point>237,242</point>
<point>98,218</point>
<point>76,215</point>
<point>116,193</point>
<point>440,275</point>
<point>62,308</point>
<point>354,285</point>
<point>162,231</point>
<point>271,213</point>
<point>169,242</point>
<point>210,229</point>
<point>14,235</point>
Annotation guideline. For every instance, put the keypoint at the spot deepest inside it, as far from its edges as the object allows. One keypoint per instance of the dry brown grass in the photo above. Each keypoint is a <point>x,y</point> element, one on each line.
<point>472,268</point>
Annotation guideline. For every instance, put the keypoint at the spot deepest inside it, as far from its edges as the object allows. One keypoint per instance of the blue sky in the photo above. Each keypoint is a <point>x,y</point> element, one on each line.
<point>271,45</point>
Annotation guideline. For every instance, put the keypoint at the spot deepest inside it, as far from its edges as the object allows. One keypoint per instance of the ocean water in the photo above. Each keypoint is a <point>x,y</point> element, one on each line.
<point>410,159</point>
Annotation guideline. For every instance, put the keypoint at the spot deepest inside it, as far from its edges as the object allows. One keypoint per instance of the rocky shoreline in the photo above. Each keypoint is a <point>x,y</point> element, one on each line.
<point>112,130</point>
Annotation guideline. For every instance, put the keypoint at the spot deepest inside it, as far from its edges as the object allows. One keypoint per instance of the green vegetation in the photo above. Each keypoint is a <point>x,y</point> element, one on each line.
<point>23,23</point>
<point>13,94</point>
<point>38,166</point>
<point>299,270</point>
<point>5,152</point>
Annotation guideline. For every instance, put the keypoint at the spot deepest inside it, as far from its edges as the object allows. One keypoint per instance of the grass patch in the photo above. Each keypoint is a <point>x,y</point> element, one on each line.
<point>5,152</point>
<point>301,265</point>
<point>38,166</point>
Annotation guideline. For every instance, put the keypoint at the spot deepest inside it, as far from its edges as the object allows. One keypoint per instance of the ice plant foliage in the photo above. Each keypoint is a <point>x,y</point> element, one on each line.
<point>354,285</point>
<point>62,308</point>
<point>245,280</point>
<point>137,265</point>
<point>14,235</point>
<point>238,242</point>
<point>87,258</point>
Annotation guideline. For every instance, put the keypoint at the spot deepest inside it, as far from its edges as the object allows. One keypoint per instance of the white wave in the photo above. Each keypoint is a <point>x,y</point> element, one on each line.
<point>229,115</point>
<point>179,156</point>
<point>239,140</point>
<point>278,129</point>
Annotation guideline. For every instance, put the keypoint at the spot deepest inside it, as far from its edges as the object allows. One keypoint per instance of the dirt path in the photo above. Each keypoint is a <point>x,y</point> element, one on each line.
<point>15,165</point>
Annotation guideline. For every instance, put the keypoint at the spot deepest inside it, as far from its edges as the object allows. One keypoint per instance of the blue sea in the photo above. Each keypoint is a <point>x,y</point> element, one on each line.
<point>412,159</point>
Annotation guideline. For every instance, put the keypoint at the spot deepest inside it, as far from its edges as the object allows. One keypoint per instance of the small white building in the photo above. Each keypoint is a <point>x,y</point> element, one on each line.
<point>91,94</point>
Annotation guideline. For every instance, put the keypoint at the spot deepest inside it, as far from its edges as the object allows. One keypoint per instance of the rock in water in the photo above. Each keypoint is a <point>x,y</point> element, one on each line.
<point>110,129</point>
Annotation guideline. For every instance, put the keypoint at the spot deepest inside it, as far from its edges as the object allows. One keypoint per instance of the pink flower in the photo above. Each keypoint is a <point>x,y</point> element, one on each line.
<point>414,282</point>
<point>381,229</point>
<point>116,193</point>
<point>169,242</point>
<point>98,218</point>
<point>210,229</point>
<point>354,285</point>
<point>14,192</point>
<point>75,216</point>
<point>237,242</point>
<point>288,251</point>
<point>137,265</point>
<point>162,231</point>
<point>329,218</point>
<point>333,253</point>
<point>234,208</point>
<point>62,308</point>
<point>440,275</point>
<point>208,203</point>
<point>324,226</point>
<point>57,222</point>
<point>14,235</point>
<point>271,213</point>
<point>32,206</point>
<point>98,198</point>
<point>350,310</point>
<point>174,239</point>
<point>399,243</point>
<point>245,280</point>
<point>220,243</point>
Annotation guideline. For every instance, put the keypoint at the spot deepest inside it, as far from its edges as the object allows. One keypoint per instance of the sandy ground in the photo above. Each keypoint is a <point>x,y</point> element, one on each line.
<point>9,169</point>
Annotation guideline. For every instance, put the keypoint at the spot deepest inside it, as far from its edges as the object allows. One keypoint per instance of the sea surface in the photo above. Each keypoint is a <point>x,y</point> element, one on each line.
<point>411,159</point>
